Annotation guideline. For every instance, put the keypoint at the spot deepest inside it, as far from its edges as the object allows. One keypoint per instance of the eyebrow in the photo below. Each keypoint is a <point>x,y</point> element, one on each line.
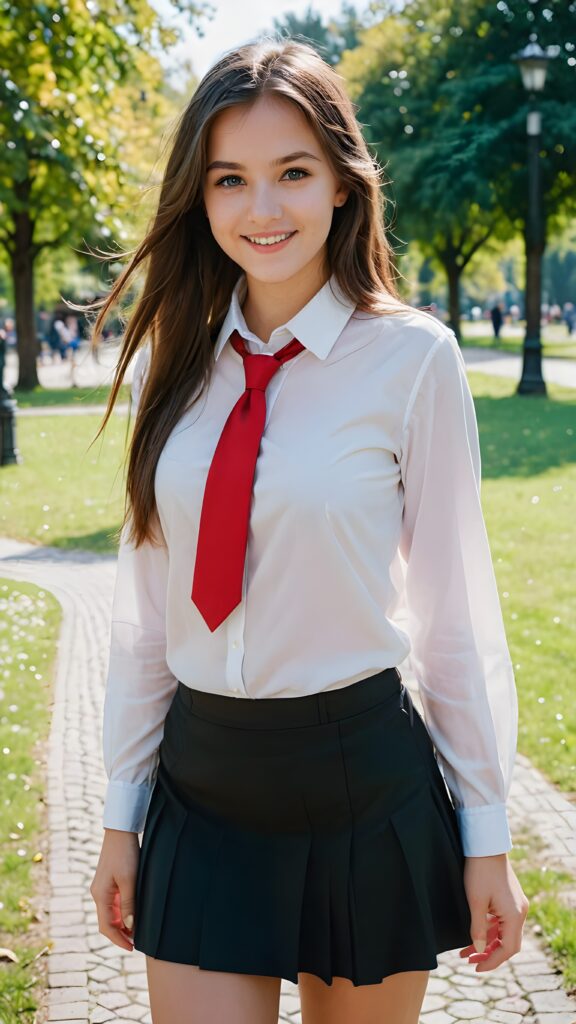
<point>229,165</point>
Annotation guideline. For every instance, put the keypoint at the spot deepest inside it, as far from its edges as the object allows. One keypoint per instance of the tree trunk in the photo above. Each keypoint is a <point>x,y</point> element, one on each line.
<point>23,277</point>
<point>453,273</point>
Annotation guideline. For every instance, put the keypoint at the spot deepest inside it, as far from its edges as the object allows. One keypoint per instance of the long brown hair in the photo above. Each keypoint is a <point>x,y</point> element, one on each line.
<point>189,279</point>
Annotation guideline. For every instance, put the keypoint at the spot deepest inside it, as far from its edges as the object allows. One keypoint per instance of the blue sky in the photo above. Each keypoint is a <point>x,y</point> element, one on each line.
<point>235,22</point>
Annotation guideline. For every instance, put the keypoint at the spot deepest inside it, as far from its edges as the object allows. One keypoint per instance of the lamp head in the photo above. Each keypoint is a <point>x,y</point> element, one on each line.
<point>533,63</point>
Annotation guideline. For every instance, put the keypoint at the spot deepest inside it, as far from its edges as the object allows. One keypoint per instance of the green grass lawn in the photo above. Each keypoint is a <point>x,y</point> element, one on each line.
<point>528,491</point>
<point>29,625</point>
<point>65,493</point>
<point>556,346</point>
<point>40,396</point>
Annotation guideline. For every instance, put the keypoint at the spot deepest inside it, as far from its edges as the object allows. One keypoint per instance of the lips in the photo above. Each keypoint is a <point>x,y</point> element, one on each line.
<point>262,239</point>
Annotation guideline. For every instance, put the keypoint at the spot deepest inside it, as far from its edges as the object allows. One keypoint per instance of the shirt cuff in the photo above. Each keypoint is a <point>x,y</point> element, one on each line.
<point>126,806</point>
<point>484,830</point>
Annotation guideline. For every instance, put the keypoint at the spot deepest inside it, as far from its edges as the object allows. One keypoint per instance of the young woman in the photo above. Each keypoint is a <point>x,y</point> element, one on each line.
<point>304,512</point>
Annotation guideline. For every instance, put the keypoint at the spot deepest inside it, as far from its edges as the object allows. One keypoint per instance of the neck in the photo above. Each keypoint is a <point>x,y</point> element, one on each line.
<point>268,305</point>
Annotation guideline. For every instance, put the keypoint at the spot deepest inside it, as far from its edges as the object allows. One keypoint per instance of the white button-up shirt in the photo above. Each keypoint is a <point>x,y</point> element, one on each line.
<point>366,545</point>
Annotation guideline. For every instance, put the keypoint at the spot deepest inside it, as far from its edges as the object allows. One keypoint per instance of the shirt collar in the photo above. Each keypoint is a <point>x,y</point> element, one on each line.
<point>317,326</point>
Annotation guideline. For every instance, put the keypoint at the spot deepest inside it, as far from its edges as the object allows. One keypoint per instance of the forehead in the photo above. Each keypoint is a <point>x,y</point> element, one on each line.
<point>268,120</point>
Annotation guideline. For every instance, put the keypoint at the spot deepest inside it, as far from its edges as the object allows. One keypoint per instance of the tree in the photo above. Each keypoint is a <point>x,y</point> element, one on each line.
<point>79,78</point>
<point>330,38</point>
<point>445,106</point>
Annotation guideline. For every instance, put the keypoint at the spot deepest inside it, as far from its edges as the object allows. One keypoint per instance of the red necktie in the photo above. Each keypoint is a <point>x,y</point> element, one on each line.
<point>223,532</point>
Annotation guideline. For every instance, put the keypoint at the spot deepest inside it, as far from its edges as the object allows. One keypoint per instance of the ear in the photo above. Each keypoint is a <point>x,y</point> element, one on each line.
<point>341,196</point>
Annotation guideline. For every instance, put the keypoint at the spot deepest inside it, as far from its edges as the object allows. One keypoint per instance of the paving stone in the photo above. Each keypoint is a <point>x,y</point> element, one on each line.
<point>68,1011</point>
<point>66,880</point>
<point>504,1017</point>
<point>69,994</point>
<point>67,917</point>
<point>70,929</point>
<point>116,984</point>
<point>100,1015</point>
<point>113,1000</point>
<point>443,971</point>
<point>552,1002</point>
<point>134,1011</point>
<point>67,979</point>
<point>68,961</point>
<point>101,973</point>
<point>142,996</point>
<point>69,944</point>
<point>124,1020</point>
<point>466,1009</point>
<point>134,962</point>
<point>514,1003</point>
<point>432,1002</point>
<point>437,1017</point>
<point>436,986</point>
<point>540,982</point>
<point>556,1018</point>
<point>137,980</point>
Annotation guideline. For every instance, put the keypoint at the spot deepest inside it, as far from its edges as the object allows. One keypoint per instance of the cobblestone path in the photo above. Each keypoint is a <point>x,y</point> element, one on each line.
<point>92,981</point>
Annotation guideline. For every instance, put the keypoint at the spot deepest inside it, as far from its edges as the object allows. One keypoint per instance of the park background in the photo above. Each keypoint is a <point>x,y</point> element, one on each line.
<point>90,93</point>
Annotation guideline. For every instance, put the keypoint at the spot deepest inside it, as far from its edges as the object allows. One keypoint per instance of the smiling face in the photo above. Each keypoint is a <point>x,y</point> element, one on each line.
<point>268,179</point>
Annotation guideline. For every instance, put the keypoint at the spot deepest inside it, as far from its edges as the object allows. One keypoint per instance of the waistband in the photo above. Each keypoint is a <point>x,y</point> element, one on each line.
<point>311,709</point>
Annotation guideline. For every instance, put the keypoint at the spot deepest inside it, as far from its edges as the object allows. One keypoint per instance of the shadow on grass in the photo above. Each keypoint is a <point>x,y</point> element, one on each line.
<point>40,396</point>
<point>525,435</point>
<point>87,547</point>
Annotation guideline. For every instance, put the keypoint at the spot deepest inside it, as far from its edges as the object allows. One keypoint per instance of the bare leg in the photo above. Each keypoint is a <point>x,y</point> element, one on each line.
<point>396,1000</point>
<point>184,994</point>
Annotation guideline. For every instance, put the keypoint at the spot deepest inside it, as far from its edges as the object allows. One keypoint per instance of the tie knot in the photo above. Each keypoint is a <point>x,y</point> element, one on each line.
<point>259,368</point>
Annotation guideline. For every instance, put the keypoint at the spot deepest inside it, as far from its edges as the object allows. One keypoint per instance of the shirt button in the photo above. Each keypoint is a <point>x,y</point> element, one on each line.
<point>234,643</point>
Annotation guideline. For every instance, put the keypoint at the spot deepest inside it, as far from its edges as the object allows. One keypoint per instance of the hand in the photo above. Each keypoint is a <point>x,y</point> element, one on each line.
<point>498,907</point>
<point>113,885</point>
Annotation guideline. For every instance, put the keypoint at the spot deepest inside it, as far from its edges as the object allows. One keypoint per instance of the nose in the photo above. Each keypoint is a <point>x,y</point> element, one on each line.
<point>264,205</point>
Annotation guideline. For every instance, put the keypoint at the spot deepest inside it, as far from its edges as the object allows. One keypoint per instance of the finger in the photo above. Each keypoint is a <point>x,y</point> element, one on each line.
<point>477,958</point>
<point>124,904</point>
<point>507,948</point>
<point>110,921</point>
<point>116,935</point>
<point>493,932</point>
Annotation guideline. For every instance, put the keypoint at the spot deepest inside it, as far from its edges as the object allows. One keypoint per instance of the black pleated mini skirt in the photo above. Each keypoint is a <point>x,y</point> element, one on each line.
<point>305,834</point>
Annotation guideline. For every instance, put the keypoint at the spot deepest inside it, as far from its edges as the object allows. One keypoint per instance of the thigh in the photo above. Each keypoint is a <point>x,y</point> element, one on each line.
<point>184,994</point>
<point>397,999</point>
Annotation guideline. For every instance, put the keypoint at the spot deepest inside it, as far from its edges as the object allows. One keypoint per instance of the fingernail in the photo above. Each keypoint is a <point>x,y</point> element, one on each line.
<point>129,921</point>
<point>480,945</point>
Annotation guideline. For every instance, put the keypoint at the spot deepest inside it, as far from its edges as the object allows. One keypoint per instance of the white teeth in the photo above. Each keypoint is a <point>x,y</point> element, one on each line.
<point>269,241</point>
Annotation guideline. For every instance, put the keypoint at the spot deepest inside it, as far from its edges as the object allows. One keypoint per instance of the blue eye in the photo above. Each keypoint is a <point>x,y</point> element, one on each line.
<point>298,170</point>
<point>291,170</point>
<point>227,178</point>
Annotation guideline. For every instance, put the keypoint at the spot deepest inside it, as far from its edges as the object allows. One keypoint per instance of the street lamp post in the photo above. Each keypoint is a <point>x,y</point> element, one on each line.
<point>533,63</point>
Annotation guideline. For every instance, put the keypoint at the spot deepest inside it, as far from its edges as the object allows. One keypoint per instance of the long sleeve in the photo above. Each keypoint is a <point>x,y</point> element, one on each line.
<point>459,651</point>
<point>139,685</point>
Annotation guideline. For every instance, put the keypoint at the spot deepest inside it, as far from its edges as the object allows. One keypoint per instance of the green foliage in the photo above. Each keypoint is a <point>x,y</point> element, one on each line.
<point>79,82</point>
<point>446,103</point>
<point>330,38</point>
<point>444,107</point>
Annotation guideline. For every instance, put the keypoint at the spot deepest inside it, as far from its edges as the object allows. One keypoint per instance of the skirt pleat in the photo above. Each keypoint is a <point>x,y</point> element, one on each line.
<point>331,849</point>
